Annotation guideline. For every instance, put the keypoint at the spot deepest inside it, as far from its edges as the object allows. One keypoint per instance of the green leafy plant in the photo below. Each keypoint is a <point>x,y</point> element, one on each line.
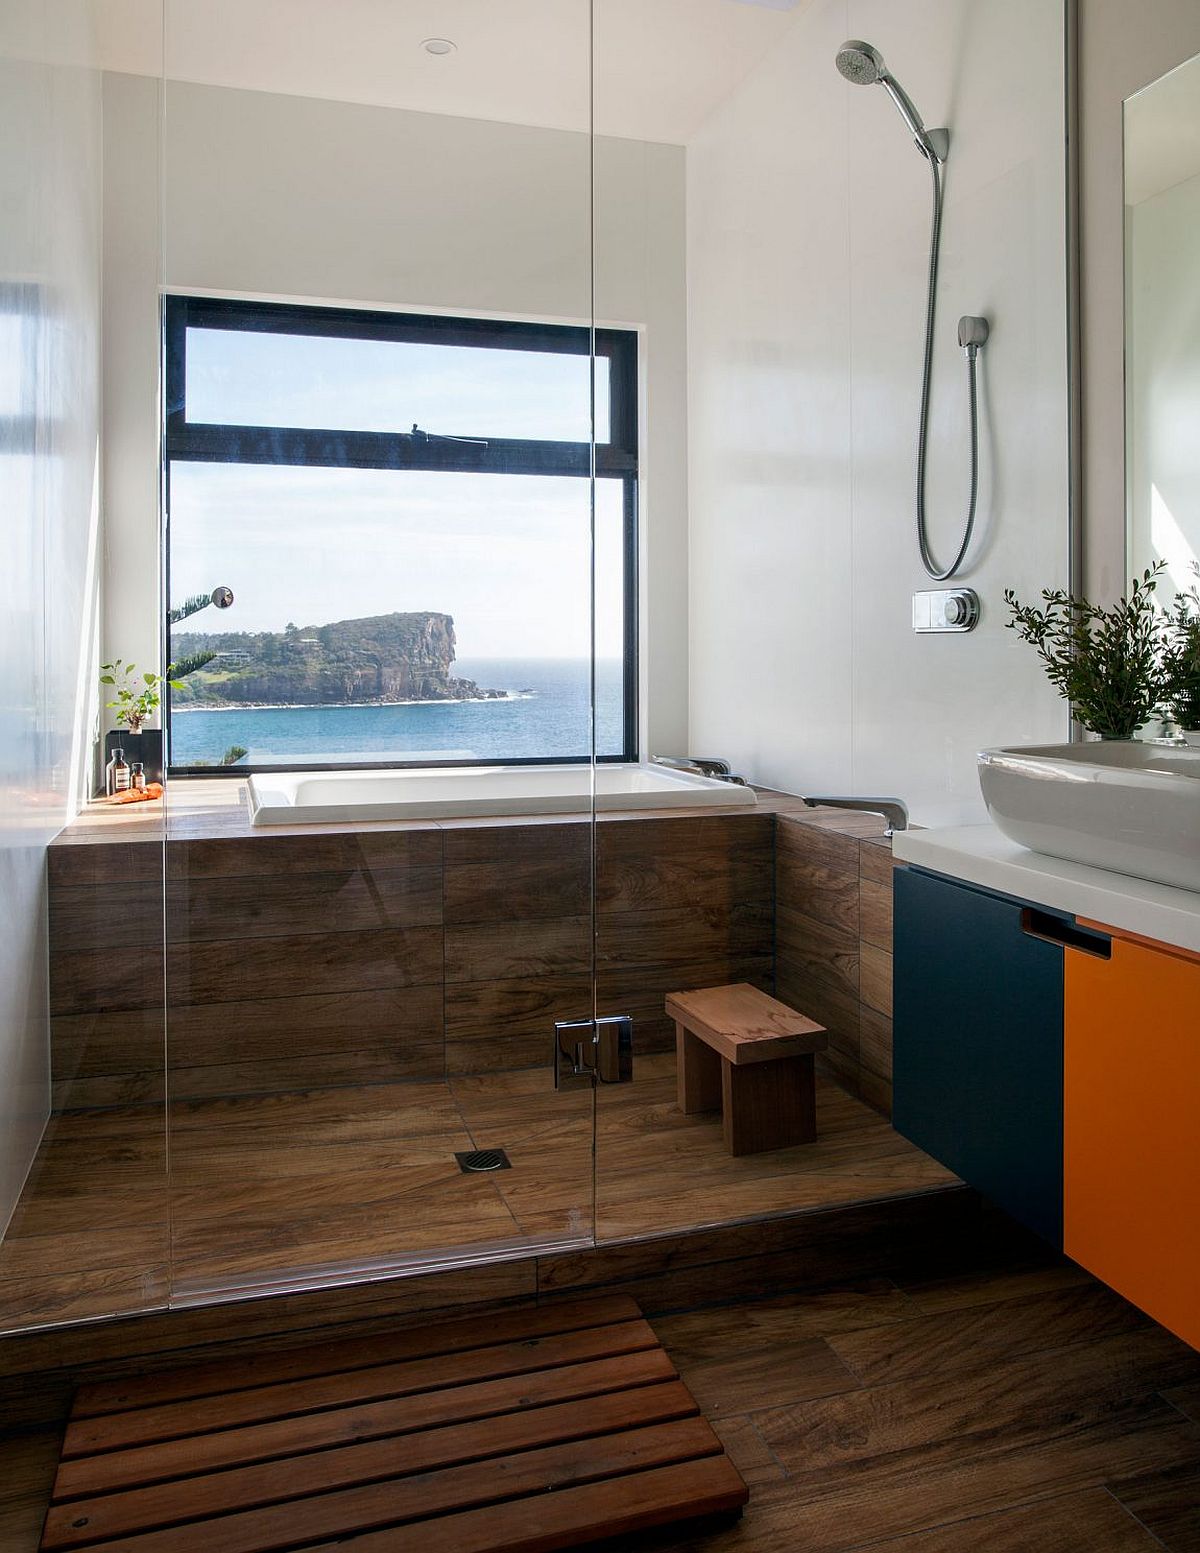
<point>1181,659</point>
<point>134,700</point>
<point>233,754</point>
<point>1108,663</point>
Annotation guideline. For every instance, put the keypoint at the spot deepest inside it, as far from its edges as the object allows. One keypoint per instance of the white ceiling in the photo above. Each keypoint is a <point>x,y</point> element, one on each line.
<point>662,66</point>
<point>1162,134</point>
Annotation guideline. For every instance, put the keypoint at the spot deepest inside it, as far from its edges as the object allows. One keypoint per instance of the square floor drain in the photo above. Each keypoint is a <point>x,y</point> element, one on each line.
<point>475,1161</point>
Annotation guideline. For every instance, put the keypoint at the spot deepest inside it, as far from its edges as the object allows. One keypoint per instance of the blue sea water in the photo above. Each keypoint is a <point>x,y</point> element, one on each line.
<point>547,715</point>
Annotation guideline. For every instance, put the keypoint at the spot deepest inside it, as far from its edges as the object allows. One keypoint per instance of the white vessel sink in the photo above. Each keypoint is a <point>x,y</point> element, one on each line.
<point>1133,808</point>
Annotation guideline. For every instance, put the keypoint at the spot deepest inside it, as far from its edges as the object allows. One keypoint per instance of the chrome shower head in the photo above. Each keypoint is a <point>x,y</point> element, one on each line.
<point>863,65</point>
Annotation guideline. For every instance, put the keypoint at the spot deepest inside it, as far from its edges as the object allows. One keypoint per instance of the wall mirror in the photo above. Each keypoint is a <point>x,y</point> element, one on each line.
<point>1162,325</point>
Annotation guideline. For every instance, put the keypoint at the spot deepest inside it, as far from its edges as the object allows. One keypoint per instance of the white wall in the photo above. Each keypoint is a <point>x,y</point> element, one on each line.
<point>296,197</point>
<point>808,217</point>
<point>1163,370</point>
<point>50,130</point>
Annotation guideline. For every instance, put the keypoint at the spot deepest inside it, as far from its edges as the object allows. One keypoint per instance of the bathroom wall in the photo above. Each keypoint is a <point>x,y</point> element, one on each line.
<point>305,198</point>
<point>1122,48</point>
<point>50,133</point>
<point>808,226</point>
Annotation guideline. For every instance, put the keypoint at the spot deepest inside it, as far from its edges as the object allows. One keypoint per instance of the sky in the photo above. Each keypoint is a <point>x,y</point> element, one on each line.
<point>509,556</point>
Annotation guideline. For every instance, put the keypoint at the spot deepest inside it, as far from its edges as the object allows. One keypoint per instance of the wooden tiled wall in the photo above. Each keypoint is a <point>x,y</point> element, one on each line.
<point>833,947</point>
<point>340,958</point>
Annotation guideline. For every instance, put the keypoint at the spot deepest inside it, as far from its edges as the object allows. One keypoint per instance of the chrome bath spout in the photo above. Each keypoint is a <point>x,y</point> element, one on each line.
<point>893,810</point>
<point>699,765</point>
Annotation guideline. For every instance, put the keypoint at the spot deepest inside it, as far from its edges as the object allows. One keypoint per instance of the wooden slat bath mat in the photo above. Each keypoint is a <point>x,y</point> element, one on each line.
<point>516,1432</point>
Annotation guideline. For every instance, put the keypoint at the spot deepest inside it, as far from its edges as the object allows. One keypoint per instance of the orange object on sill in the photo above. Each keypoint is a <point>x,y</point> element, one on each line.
<point>151,791</point>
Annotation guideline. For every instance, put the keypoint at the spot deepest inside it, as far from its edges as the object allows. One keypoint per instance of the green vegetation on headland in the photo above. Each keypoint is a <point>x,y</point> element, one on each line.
<point>383,658</point>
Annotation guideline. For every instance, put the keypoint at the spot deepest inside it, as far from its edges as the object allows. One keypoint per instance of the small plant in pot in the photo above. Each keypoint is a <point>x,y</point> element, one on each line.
<point>137,698</point>
<point>1181,663</point>
<point>1108,663</point>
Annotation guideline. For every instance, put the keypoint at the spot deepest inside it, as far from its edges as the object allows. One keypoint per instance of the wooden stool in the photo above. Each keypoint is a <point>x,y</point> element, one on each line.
<point>751,1056</point>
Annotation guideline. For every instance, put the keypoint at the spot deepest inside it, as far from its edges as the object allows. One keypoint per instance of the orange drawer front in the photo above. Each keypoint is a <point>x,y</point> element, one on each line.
<point>1131,1127</point>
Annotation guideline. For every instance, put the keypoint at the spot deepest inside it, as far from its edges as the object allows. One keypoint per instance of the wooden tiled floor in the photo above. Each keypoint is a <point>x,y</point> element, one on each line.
<point>1025,1411</point>
<point>297,1185</point>
<point>1028,1412</point>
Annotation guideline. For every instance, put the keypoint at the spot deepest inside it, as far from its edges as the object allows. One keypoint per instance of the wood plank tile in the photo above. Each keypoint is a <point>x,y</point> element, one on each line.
<point>1084,1400</point>
<point>320,963</point>
<point>406,1021</point>
<point>875,978</point>
<point>27,1464</point>
<point>981,1335</point>
<point>826,894</point>
<point>121,977</point>
<point>938,1296</point>
<point>501,890</point>
<point>875,861</point>
<point>621,837</point>
<point>263,905</point>
<point>817,844</point>
<point>747,1449</point>
<point>722,876</point>
<point>1087,1522</point>
<point>314,850</point>
<point>875,1045</point>
<point>699,1336</point>
<point>1186,1399</point>
<point>496,1025</point>
<point>739,1381</point>
<point>564,842</point>
<point>815,951</point>
<point>1166,1503</point>
<point>875,913</point>
<point>501,951</point>
<point>671,935</point>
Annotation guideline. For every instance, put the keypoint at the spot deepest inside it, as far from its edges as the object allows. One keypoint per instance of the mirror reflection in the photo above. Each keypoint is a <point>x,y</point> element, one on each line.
<point>1162,325</point>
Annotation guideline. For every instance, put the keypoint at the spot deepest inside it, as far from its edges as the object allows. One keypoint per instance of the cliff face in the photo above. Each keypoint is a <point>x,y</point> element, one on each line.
<point>384,658</point>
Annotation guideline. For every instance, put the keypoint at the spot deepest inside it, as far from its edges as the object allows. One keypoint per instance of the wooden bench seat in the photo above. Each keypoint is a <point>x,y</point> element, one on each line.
<point>751,1057</point>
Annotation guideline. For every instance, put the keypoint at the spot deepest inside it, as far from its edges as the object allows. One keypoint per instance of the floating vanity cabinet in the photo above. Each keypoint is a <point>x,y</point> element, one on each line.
<point>1132,1126</point>
<point>978,1041</point>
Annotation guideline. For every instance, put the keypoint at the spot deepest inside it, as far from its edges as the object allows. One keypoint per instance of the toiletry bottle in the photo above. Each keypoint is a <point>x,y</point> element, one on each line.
<point>109,774</point>
<point>137,776</point>
<point>121,772</point>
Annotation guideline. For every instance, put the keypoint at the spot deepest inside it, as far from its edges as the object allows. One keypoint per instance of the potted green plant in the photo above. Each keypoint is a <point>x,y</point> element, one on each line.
<point>136,698</point>
<point>1181,663</point>
<point>1107,662</point>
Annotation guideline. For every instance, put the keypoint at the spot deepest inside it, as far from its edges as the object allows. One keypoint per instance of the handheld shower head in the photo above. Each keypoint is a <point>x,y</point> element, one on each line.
<point>863,65</point>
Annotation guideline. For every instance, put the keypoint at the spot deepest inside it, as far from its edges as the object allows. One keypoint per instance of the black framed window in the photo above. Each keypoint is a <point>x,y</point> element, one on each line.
<point>401,505</point>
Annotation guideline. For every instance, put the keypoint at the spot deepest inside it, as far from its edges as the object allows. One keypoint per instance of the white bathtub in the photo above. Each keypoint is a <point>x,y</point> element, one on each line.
<point>432,793</point>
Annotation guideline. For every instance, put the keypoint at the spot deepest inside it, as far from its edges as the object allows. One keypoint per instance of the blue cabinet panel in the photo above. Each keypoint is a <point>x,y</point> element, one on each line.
<point>979,1042</point>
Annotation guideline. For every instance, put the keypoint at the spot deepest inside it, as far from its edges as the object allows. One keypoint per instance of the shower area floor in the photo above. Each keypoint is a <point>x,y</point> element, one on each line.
<point>257,1190</point>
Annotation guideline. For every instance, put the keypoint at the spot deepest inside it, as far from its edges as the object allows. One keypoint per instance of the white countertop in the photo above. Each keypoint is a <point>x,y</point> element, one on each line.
<point>980,855</point>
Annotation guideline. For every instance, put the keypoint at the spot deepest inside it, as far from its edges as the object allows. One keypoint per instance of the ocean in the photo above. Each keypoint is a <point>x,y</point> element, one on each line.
<point>547,715</point>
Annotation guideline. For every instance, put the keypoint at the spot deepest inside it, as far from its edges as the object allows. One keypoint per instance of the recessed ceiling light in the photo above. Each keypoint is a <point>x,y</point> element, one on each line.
<point>439,46</point>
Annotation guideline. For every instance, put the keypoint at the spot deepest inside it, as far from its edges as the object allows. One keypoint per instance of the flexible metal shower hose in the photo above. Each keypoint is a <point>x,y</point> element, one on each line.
<point>938,573</point>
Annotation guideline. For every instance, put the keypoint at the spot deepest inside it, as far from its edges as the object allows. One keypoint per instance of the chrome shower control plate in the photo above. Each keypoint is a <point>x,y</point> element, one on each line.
<point>946,609</point>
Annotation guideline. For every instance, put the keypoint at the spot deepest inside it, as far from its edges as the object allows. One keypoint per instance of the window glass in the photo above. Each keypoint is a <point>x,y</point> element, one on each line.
<point>384,614</point>
<point>241,377</point>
